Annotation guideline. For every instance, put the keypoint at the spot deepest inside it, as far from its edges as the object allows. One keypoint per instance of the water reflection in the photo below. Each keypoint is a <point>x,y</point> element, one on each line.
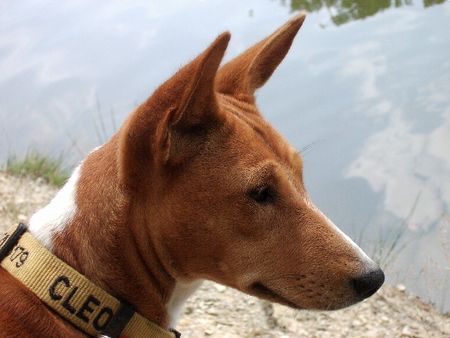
<point>404,159</point>
<point>343,11</point>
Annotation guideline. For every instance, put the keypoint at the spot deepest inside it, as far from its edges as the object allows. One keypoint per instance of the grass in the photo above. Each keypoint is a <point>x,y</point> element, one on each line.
<point>37,165</point>
<point>388,245</point>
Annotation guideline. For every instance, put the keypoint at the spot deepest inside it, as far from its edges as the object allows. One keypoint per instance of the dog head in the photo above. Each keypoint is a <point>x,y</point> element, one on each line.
<point>222,193</point>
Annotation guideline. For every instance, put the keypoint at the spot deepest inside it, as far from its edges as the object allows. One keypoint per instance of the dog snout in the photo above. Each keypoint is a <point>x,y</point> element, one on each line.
<point>368,283</point>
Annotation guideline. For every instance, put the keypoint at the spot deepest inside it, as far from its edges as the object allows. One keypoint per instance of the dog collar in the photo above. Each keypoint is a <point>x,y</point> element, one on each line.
<point>69,293</point>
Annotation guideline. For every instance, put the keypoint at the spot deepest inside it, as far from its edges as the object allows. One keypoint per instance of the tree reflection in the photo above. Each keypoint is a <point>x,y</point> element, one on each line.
<point>343,11</point>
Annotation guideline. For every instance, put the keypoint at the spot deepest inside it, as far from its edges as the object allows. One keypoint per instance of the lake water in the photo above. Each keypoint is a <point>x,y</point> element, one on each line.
<point>364,93</point>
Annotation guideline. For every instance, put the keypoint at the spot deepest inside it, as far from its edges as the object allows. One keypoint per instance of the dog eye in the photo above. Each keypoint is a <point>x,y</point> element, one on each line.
<point>263,195</point>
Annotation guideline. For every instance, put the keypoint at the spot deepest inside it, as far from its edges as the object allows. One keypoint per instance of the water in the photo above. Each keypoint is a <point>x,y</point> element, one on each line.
<point>364,92</point>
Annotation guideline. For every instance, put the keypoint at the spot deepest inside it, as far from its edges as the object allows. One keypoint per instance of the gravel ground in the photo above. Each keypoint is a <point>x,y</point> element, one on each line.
<point>217,311</point>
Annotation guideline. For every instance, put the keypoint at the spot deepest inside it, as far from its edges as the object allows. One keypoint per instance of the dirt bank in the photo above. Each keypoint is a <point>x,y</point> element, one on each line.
<point>216,311</point>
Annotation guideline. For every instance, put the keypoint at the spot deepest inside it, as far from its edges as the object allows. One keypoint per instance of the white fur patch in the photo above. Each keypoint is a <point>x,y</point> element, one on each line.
<point>363,256</point>
<point>175,305</point>
<point>56,215</point>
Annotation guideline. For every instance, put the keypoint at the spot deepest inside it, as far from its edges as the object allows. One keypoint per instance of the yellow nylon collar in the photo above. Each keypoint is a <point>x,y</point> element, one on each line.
<point>69,293</point>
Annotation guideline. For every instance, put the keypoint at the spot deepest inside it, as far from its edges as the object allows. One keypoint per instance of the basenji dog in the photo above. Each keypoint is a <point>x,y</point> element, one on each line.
<point>194,186</point>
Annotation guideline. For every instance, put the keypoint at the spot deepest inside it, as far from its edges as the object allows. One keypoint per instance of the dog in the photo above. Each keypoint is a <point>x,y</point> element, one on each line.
<point>194,186</point>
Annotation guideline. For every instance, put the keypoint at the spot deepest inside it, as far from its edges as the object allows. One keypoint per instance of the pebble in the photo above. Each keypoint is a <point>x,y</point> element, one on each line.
<point>401,287</point>
<point>209,332</point>
<point>220,287</point>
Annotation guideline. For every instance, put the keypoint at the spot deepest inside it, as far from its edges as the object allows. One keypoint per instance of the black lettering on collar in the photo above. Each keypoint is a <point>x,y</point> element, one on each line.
<point>102,319</point>
<point>52,289</point>
<point>86,308</point>
<point>66,303</point>
<point>91,302</point>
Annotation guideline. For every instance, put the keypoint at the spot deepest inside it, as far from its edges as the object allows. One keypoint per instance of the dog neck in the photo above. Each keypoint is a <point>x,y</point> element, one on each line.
<point>91,225</point>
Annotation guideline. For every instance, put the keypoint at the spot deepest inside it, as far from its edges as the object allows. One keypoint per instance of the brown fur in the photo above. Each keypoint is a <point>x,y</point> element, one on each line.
<point>167,199</point>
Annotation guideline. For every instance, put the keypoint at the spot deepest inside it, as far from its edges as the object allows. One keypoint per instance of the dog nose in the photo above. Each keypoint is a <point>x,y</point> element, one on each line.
<point>367,284</point>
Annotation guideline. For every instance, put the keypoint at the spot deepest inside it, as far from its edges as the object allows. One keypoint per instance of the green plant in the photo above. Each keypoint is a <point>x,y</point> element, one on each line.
<point>37,165</point>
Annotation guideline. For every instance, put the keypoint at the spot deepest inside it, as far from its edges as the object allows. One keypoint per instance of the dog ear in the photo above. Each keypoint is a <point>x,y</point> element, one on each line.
<point>170,124</point>
<point>251,69</point>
